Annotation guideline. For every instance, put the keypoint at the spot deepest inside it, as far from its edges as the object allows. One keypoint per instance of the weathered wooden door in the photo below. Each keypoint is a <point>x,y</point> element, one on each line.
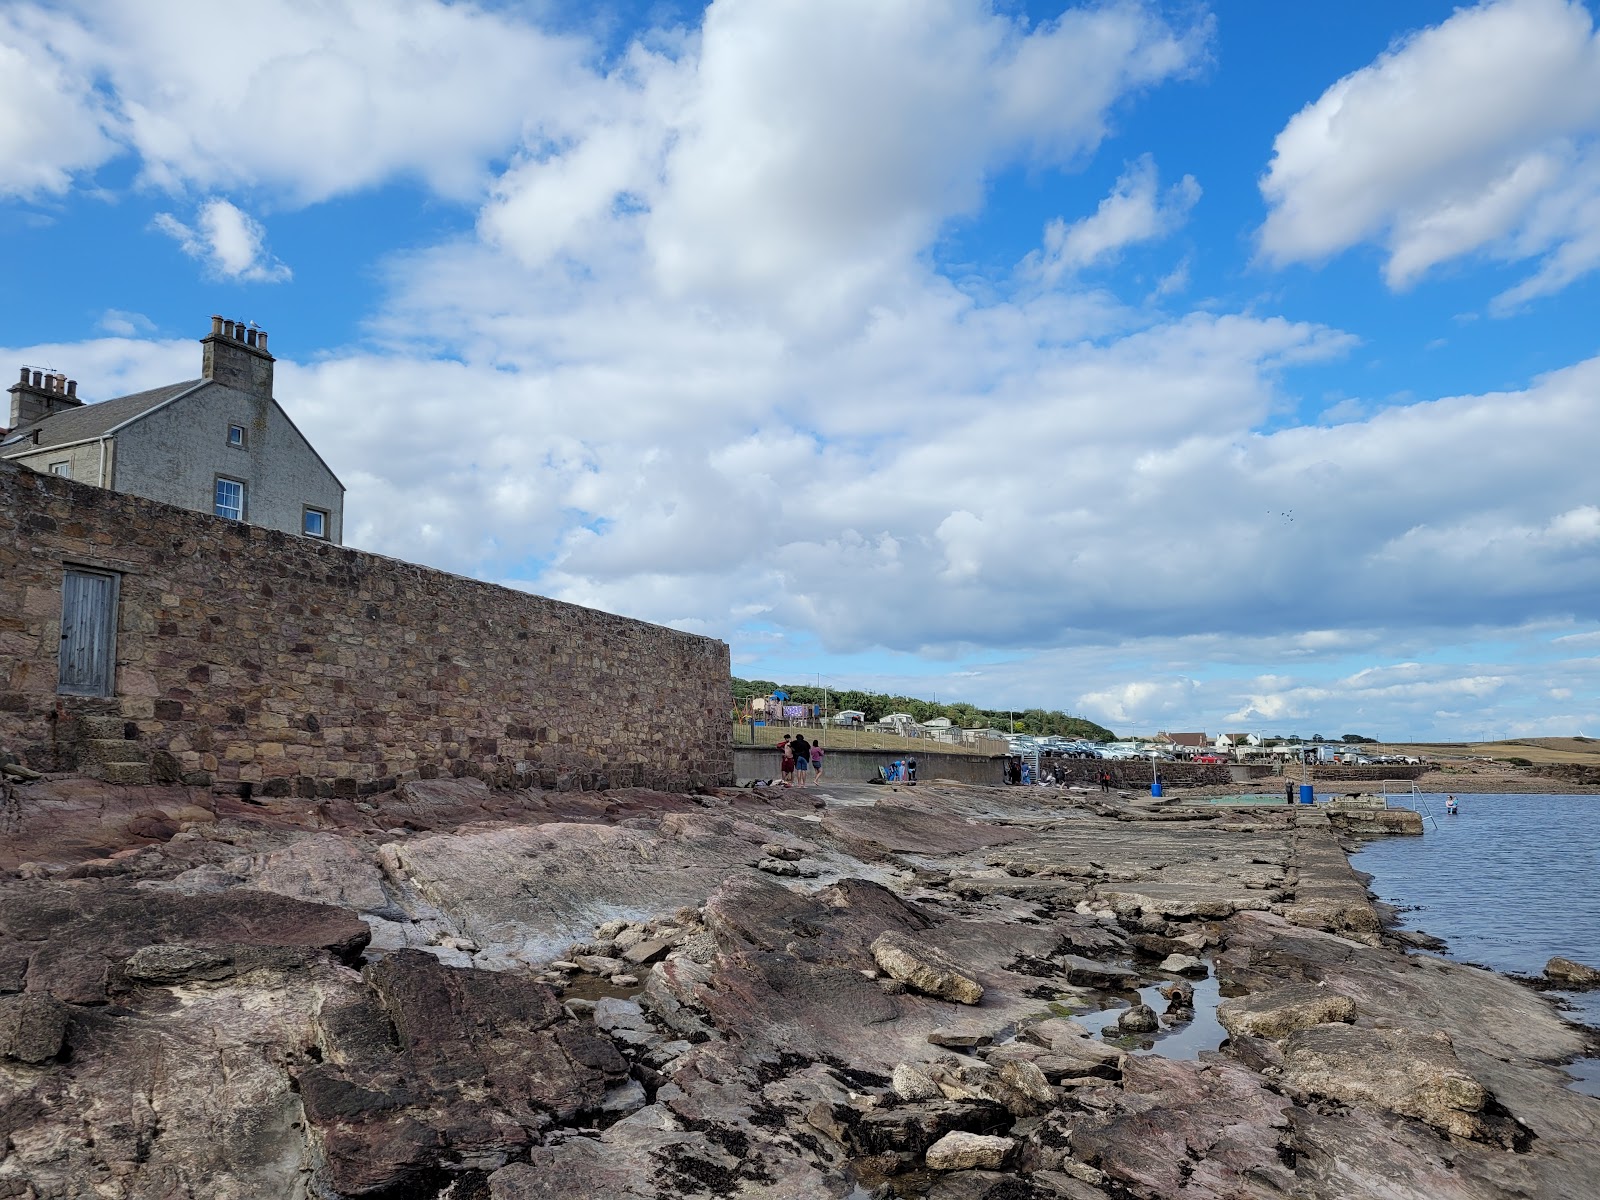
<point>88,633</point>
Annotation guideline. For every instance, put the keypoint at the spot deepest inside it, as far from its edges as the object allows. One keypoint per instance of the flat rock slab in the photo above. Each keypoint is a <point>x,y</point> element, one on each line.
<point>1413,1074</point>
<point>1278,1013</point>
<point>908,828</point>
<point>1209,901</point>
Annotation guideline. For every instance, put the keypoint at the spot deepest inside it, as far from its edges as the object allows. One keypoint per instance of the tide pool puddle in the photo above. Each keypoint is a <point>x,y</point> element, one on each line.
<point>1181,1041</point>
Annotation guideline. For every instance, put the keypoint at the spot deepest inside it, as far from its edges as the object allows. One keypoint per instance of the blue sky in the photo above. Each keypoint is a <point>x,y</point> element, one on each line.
<point>1182,365</point>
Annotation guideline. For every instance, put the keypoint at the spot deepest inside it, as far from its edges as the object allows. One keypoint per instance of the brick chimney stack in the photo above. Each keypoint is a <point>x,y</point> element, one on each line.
<point>235,354</point>
<point>41,394</point>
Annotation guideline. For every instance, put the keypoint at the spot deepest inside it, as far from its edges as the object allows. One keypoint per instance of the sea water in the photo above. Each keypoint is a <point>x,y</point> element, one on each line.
<point>1510,883</point>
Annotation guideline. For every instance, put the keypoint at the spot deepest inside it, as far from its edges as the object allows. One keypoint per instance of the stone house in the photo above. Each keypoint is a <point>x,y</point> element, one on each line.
<point>219,444</point>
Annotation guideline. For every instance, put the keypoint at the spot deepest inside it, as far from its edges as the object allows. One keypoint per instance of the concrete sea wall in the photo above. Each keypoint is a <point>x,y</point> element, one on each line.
<point>245,655</point>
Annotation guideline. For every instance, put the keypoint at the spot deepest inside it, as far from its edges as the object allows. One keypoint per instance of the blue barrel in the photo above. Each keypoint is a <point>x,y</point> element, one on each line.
<point>1306,794</point>
<point>1155,789</point>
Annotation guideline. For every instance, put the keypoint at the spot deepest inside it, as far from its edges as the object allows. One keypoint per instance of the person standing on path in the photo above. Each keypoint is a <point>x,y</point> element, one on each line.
<point>816,761</point>
<point>801,749</point>
<point>786,749</point>
<point>911,769</point>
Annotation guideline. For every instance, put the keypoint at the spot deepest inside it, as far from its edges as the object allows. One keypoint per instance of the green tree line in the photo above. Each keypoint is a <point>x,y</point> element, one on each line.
<point>1036,721</point>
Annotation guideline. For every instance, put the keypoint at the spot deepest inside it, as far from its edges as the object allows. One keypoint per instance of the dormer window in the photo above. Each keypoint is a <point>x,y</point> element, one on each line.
<point>236,436</point>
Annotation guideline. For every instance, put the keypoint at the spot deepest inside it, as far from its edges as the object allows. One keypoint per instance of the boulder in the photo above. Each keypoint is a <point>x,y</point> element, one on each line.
<point>1085,972</point>
<point>957,1151</point>
<point>1571,974</point>
<point>32,1027</point>
<point>911,1084</point>
<point>924,969</point>
<point>1277,1013</point>
<point>1141,1018</point>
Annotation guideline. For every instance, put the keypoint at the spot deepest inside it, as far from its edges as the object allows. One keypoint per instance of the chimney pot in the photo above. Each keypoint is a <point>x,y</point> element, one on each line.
<point>261,339</point>
<point>216,326</point>
<point>24,378</point>
<point>38,379</point>
<point>250,337</point>
<point>72,388</point>
<point>227,330</point>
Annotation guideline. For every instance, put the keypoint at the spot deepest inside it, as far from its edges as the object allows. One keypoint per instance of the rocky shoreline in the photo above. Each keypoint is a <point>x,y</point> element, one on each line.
<point>848,991</point>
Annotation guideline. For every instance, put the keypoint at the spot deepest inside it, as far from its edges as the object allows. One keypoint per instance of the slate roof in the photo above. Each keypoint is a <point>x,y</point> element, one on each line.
<point>91,420</point>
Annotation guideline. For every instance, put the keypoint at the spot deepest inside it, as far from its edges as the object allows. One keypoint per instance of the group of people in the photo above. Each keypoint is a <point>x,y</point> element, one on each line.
<point>1020,772</point>
<point>800,758</point>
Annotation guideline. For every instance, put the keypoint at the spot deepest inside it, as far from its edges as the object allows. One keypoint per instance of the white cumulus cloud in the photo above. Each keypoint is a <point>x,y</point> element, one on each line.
<point>1135,211</point>
<point>230,243</point>
<point>1478,135</point>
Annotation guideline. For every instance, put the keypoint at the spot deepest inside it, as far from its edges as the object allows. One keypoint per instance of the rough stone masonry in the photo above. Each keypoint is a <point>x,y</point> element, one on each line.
<point>248,656</point>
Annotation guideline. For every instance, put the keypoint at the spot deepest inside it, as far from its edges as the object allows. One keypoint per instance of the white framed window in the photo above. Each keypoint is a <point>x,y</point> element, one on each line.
<point>236,436</point>
<point>62,468</point>
<point>229,499</point>
<point>314,523</point>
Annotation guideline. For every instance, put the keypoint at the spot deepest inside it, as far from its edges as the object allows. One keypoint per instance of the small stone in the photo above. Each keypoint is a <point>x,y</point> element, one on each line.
<point>610,929</point>
<point>648,950</point>
<point>1028,1079</point>
<point>624,1098</point>
<point>1178,994</point>
<point>778,850</point>
<point>958,1151</point>
<point>777,866</point>
<point>961,1037</point>
<point>911,1084</point>
<point>625,980</point>
<point>1141,1018</point>
<point>1184,964</point>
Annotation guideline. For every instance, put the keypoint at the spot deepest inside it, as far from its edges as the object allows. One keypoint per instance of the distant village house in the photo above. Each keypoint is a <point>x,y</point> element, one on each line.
<point>219,444</point>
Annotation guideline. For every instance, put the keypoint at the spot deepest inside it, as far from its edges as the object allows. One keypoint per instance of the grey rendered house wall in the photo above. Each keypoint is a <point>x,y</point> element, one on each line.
<point>176,453</point>
<point>84,459</point>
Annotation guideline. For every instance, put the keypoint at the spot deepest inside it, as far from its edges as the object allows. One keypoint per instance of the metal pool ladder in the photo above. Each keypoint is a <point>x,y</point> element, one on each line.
<point>1419,802</point>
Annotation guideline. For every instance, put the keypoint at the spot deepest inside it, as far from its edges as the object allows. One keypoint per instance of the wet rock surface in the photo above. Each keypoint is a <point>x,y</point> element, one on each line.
<point>449,992</point>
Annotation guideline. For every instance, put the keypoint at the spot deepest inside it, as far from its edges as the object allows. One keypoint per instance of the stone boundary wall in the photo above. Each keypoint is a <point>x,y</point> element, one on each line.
<point>247,656</point>
<point>858,766</point>
<point>1135,773</point>
<point>1331,773</point>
